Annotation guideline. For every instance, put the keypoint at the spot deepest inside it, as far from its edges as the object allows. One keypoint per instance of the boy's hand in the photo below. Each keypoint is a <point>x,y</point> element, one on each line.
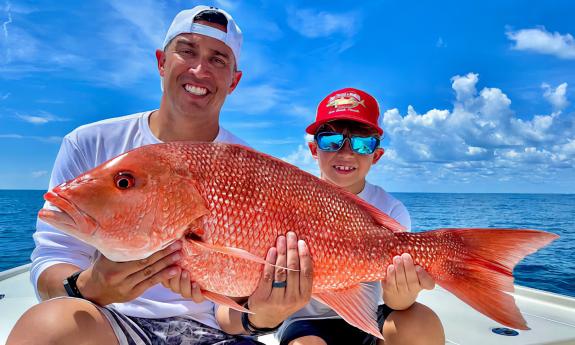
<point>272,305</point>
<point>403,282</point>
<point>181,283</point>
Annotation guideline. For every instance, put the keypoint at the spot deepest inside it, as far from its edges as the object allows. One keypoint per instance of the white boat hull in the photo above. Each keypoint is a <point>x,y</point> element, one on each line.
<point>550,316</point>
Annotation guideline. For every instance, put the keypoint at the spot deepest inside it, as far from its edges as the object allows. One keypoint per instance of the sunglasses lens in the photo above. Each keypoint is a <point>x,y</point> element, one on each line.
<point>329,141</point>
<point>364,145</point>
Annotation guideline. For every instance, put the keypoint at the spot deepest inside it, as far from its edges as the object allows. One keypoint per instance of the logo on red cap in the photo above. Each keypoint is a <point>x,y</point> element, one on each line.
<point>347,104</point>
<point>347,100</point>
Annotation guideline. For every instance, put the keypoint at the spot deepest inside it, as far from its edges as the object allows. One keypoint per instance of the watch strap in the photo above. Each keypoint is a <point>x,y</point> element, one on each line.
<point>251,329</point>
<point>71,287</point>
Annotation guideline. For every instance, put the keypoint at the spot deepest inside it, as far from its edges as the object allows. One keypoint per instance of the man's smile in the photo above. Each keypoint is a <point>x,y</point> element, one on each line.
<point>196,89</point>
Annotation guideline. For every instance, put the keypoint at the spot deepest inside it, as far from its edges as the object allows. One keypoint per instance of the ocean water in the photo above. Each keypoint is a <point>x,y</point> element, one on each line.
<point>550,269</point>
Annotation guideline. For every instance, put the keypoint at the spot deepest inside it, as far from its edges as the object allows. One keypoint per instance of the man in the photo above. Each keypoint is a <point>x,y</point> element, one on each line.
<point>123,302</point>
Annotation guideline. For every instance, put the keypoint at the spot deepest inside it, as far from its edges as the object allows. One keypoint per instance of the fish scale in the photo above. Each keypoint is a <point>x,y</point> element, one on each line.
<point>230,203</point>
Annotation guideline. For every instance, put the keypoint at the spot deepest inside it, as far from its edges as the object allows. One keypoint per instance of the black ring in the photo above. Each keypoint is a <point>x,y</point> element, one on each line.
<point>279,284</point>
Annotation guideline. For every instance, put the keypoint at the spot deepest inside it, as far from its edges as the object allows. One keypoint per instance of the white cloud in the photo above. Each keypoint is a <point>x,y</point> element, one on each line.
<point>440,43</point>
<point>39,173</point>
<point>37,120</point>
<point>254,99</point>
<point>11,136</point>
<point>255,62</point>
<point>8,21</point>
<point>539,129</point>
<point>565,150</point>
<point>227,5</point>
<point>481,137</point>
<point>15,51</point>
<point>48,139</point>
<point>131,30</point>
<point>313,24</point>
<point>541,41</point>
<point>304,112</point>
<point>557,97</point>
<point>266,98</point>
<point>263,29</point>
<point>283,141</point>
<point>5,96</point>
<point>20,8</point>
<point>20,60</point>
<point>303,159</point>
<point>465,86</point>
<point>251,124</point>
<point>257,22</point>
<point>40,119</point>
<point>137,62</point>
<point>146,18</point>
<point>53,139</point>
<point>50,101</point>
<point>134,30</point>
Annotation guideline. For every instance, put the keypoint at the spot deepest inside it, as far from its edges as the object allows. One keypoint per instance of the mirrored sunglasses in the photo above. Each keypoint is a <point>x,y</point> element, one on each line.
<point>333,141</point>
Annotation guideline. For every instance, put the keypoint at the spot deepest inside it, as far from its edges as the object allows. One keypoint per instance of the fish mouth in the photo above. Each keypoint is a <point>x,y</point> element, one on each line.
<point>69,217</point>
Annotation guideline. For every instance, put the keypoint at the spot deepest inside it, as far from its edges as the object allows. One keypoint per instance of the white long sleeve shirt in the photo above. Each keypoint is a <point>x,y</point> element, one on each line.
<point>85,148</point>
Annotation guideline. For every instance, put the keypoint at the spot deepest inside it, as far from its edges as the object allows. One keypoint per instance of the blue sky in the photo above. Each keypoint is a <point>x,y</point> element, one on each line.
<point>475,96</point>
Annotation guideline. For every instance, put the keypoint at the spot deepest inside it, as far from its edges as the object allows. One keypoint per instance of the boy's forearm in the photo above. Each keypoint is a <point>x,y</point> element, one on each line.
<point>50,281</point>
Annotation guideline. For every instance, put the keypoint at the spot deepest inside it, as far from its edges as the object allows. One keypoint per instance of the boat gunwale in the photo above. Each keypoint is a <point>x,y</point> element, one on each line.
<point>9,273</point>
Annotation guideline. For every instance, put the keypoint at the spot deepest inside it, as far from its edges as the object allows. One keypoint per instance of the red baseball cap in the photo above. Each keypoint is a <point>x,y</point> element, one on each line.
<point>347,104</point>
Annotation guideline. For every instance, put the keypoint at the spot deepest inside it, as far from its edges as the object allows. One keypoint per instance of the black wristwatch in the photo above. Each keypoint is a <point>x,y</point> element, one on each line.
<point>253,330</point>
<point>71,287</point>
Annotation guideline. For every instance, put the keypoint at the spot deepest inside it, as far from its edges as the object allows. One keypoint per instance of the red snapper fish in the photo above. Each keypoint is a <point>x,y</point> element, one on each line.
<point>229,204</point>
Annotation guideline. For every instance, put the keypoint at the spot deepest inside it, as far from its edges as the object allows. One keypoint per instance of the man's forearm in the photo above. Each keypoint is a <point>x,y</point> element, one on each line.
<point>50,281</point>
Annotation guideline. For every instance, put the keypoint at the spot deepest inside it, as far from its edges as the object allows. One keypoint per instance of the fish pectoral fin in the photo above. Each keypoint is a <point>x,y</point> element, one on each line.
<point>237,252</point>
<point>355,305</point>
<point>224,300</point>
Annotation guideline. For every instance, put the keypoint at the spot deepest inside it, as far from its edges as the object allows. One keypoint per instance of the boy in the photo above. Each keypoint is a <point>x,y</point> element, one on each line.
<point>346,145</point>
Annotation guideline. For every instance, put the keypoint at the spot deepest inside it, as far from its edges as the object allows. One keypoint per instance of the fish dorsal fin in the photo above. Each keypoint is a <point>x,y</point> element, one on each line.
<point>355,305</point>
<point>224,300</point>
<point>232,251</point>
<point>380,217</point>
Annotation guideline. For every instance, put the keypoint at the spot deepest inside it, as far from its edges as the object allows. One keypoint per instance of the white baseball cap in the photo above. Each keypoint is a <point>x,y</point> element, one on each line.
<point>184,23</point>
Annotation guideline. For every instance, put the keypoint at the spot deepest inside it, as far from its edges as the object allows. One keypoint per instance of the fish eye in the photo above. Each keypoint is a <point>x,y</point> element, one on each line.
<point>124,180</point>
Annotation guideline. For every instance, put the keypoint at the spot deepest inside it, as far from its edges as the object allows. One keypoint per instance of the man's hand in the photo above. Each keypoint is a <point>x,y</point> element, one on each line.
<point>403,282</point>
<point>272,305</point>
<point>182,284</point>
<point>108,282</point>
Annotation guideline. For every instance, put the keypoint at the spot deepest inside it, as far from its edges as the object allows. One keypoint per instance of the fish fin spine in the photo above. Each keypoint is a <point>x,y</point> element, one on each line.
<point>355,305</point>
<point>232,251</point>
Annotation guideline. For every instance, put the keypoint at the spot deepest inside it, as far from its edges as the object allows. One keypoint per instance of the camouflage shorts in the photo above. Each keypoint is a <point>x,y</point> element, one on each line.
<point>172,330</point>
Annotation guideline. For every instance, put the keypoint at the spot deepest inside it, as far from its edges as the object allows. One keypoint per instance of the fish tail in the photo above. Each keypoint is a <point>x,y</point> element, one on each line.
<point>477,265</point>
